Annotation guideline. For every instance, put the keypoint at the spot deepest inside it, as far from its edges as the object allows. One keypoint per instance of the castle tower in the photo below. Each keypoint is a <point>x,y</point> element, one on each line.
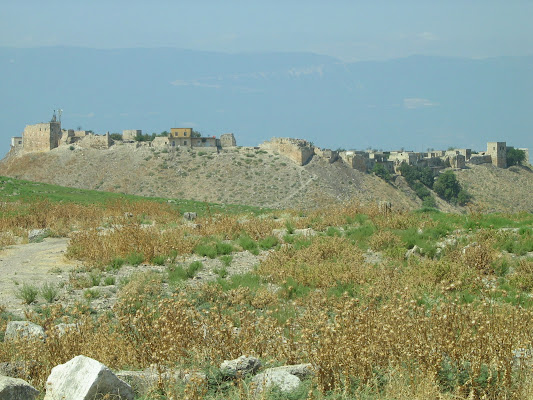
<point>498,153</point>
<point>42,137</point>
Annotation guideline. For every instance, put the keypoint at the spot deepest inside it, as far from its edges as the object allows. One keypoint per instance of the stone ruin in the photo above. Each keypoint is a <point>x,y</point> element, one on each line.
<point>46,136</point>
<point>298,150</point>
<point>301,152</point>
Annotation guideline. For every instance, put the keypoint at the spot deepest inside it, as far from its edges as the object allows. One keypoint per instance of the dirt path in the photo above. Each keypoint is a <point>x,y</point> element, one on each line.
<point>32,264</point>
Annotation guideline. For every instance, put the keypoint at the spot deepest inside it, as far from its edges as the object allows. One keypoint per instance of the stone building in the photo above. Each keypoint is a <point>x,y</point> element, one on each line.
<point>16,142</point>
<point>329,155</point>
<point>129,135</point>
<point>208,141</point>
<point>227,140</point>
<point>498,153</point>
<point>183,137</point>
<point>180,133</point>
<point>409,157</point>
<point>99,142</point>
<point>180,137</point>
<point>358,160</point>
<point>42,137</point>
<point>160,141</point>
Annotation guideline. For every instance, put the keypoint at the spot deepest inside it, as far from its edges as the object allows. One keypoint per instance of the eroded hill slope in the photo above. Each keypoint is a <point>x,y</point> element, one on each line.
<point>251,176</point>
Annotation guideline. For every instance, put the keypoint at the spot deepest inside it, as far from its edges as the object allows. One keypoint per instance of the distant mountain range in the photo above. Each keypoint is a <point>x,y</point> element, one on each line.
<point>414,103</point>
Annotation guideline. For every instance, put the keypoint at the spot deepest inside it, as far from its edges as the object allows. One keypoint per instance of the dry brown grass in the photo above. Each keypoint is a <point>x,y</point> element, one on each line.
<point>398,347</point>
<point>401,330</point>
<point>325,262</point>
<point>62,220</point>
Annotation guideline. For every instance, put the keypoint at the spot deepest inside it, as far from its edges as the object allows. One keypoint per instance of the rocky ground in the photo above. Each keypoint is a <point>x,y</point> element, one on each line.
<point>44,263</point>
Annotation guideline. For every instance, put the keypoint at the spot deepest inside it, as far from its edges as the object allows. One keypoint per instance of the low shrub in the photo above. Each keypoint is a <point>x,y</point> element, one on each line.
<point>109,280</point>
<point>49,292</point>
<point>178,273</point>
<point>27,293</point>
<point>206,250</point>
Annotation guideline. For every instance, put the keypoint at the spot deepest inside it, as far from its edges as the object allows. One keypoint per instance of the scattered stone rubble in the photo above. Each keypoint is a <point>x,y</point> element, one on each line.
<point>83,378</point>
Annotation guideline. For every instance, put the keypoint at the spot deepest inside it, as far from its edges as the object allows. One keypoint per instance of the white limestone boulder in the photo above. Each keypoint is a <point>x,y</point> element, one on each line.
<point>279,378</point>
<point>24,330</point>
<point>302,371</point>
<point>240,367</point>
<point>16,389</point>
<point>84,378</point>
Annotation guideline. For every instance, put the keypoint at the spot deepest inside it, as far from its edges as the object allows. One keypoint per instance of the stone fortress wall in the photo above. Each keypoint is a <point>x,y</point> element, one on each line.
<point>301,151</point>
<point>298,150</point>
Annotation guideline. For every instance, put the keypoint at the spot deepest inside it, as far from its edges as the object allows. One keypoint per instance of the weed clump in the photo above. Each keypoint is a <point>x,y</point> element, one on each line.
<point>27,293</point>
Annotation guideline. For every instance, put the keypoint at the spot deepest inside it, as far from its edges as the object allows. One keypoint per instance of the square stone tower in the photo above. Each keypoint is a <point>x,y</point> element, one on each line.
<point>498,153</point>
<point>41,137</point>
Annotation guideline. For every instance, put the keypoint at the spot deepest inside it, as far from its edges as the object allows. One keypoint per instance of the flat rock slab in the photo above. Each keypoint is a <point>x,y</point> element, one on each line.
<point>16,389</point>
<point>84,378</point>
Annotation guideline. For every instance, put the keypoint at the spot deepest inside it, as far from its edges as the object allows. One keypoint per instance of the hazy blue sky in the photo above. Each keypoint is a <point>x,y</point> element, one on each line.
<point>348,29</point>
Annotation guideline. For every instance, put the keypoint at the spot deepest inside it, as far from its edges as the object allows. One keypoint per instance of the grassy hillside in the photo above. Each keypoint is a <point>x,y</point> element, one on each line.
<point>18,190</point>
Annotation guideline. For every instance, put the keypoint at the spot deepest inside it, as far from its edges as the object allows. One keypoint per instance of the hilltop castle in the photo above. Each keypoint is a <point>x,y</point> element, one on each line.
<point>301,152</point>
<point>47,136</point>
<point>44,137</point>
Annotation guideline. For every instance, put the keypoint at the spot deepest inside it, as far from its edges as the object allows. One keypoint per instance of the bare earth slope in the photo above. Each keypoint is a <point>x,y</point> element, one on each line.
<point>497,189</point>
<point>250,176</point>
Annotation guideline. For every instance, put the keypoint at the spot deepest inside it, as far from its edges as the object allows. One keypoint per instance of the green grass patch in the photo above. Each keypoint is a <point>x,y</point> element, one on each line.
<point>247,243</point>
<point>360,234</point>
<point>291,289</point>
<point>159,260</point>
<point>116,264</point>
<point>109,280</point>
<point>249,280</point>
<point>134,258</point>
<point>26,192</point>
<point>178,273</point>
<point>226,260</point>
<point>268,242</point>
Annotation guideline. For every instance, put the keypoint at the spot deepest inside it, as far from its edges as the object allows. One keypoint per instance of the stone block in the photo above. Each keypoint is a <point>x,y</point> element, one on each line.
<point>24,330</point>
<point>16,389</point>
<point>84,378</point>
